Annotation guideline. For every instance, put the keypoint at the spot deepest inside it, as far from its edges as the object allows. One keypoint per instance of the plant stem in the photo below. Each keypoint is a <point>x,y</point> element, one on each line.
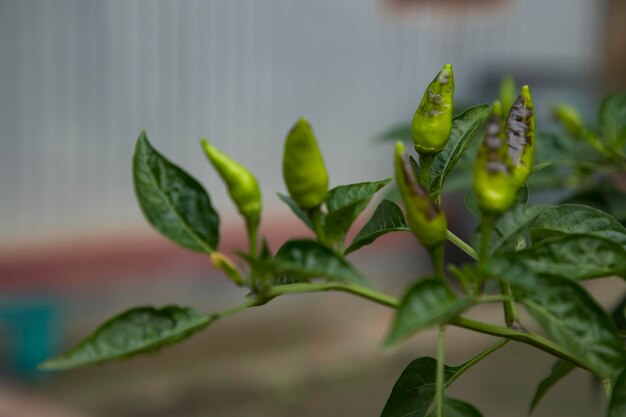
<point>232,311</point>
<point>426,161</point>
<point>436,257</point>
<point>510,313</point>
<point>486,227</point>
<point>441,352</point>
<point>476,359</point>
<point>494,299</point>
<point>522,336</point>
<point>461,244</point>
<point>315,215</point>
<point>364,292</point>
<point>253,232</point>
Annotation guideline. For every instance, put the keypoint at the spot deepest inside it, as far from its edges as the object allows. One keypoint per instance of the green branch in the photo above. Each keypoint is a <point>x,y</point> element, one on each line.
<point>460,243</point>
<point>522,336</point>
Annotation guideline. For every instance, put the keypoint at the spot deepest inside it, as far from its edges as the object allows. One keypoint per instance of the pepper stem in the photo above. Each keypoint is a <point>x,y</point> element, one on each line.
<point>510,312</point>
<point>436,257</point>
<point>253,236</point>
<point>315,214</point>
<point>441,351</point>
<point>426,161</point>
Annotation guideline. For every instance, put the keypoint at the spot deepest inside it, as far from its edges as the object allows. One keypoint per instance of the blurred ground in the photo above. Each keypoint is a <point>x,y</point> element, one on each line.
<point>308,355</point>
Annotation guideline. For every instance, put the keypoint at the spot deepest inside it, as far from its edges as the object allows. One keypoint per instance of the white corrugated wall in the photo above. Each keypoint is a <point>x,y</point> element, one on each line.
<point>80,79</point>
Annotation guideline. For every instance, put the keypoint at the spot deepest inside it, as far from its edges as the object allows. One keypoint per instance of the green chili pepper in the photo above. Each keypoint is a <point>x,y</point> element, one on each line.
<point>432,121</point>
<point>573,123</point>
<point>520,134</point>
<point>426,220</point>
<point>571,120</point>
<point>494,184</point>
<point>508,90</point>
<point>242,186</point>
<point>221,261</point>
<point>303,167</point>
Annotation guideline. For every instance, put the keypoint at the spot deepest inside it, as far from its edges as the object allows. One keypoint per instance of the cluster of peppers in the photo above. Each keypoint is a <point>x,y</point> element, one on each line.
<point>503,163</point>
<point>501,168</point>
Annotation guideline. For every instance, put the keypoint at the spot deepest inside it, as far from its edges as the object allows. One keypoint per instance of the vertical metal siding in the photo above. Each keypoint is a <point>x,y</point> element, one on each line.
<point>80,79</point>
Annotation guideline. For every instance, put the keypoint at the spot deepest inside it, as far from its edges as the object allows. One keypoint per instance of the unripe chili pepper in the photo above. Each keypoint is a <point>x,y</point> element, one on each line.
<point>573,122</point>
<point>426,220</point>
<point>432,121</point>
<point>303,167</point>
<point>494,184</point>
<point>221,261</point>
<point>520,134</point>
<point>508,90</point>
<point>569,117</point>
<point>242,186</point>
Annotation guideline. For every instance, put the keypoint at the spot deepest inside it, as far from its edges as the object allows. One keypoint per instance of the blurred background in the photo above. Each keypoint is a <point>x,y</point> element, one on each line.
<point>80,79</point>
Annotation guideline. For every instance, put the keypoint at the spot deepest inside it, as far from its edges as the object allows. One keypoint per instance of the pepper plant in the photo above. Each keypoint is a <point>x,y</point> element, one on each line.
<point>537,255</point>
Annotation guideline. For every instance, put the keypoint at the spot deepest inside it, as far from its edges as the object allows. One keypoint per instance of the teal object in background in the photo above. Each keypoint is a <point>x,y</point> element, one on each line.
<point>29,329</point>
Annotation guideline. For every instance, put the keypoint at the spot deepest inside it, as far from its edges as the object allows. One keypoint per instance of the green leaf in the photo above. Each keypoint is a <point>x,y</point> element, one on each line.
<point>464,128</point>
<point>136,331</point>
<point>471,202</point>
<point>559,371</point>
<point>569,219</point>
<point>172,201</point>
<point>301,260</point>
<point>345,203</point>
<point>570,316</point>
<point>612,118</point>
<point>457,408</point>
<point>302,215</point>
<point>606,196</point>
<point>427,302</point>
<point>414,392</point>
<point>574,257</point>
<point>618,313</point>
<point>387,218</point>
<point>617,405</point>
<point>512,226</point>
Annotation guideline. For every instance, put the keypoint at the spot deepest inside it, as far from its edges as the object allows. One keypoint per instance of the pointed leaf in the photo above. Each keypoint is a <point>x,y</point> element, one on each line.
<point>570,316</point>
<point>464,129</point>
<point>606,196</point>
<point>301,260</point>
<point>457,408</point>
<point>574,257</point>
<point>617,405</point>
<point>568,219</point>
<point>387,218</point>
<point>345,203</point>
<point>302,215</point>
<point>513,225</point>
<point>427,302</point>
<point>139,330</point>
<point>172,201</point>
<point>618,313</point>
<point>414,392</point>
<point>559,371</point>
